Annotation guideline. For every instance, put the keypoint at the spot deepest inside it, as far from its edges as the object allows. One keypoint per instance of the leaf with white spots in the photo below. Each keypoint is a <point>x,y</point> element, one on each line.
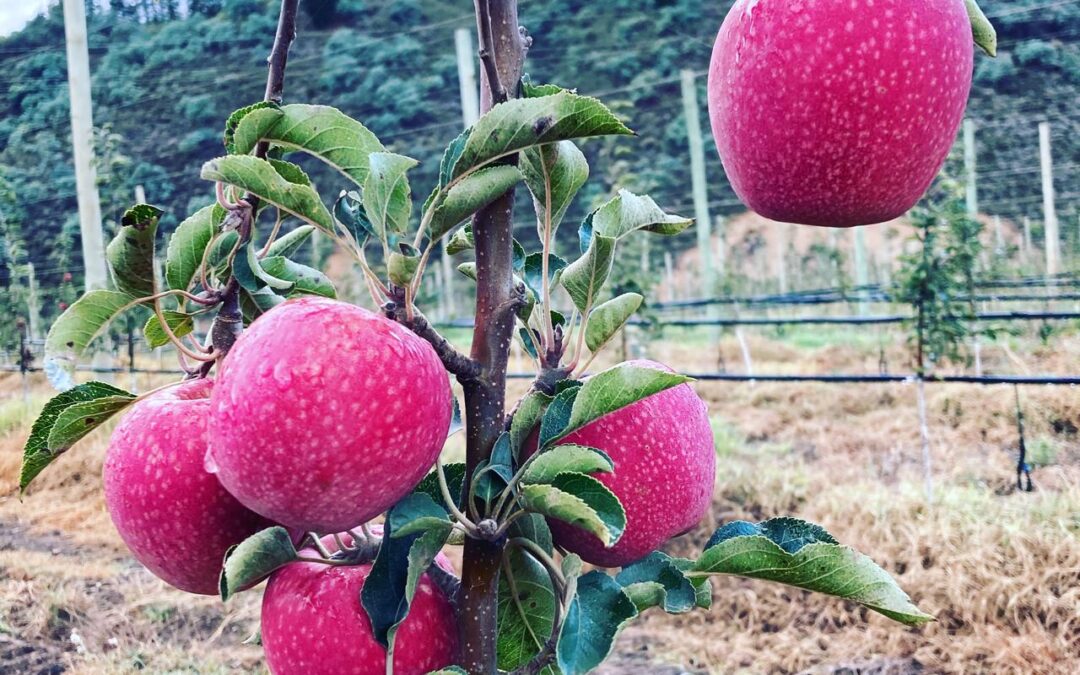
<point>655,581</point>
<point>180,323</point>
<point>80,324</point>
<point>547,465</point>
<point>608,318</point>
<point>131,252</point>
<point>983,32</point>
<point>260,178</point>
<point>581,501</point>
<point>321,131</point>
<point>71,415</point>
<point>254,559</point>
<point>593,620</point>
<point>801,554</point>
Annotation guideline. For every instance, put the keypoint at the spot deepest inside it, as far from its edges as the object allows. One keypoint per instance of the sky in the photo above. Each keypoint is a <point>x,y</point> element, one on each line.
<point>15,13</point>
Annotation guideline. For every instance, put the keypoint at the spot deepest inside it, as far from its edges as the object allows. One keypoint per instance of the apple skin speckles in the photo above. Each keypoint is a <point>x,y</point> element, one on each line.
<point>838,112</point>
<point>326,414</point>
<point>175,517</point>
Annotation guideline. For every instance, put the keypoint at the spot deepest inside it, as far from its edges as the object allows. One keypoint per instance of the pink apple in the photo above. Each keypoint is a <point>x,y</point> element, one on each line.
<point>175,517</point>
<point>838,112</point>
<point>665,468</point>
<point>312,622</point>
<point>325,414</point>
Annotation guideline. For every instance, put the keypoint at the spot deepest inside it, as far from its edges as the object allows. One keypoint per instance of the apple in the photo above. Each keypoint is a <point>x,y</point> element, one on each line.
<point>312,622</point>
<point>665,467</point>
<point>838,113</point>
<point>326,414</point>
<point>175,517</point>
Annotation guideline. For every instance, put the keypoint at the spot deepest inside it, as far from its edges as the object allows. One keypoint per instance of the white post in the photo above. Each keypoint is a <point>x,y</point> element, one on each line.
<point>999,236</point>
<point>82,138</point>
<point>862,275</point>
<point>781,254</point>
<point>1027,236</point>
<point>972,195</point>
<point>32,301</point>
<point>924,433</point>
<point>697,181</point>
<point>470,94</point>
<point>1053,252</point>
<point>669,276</point>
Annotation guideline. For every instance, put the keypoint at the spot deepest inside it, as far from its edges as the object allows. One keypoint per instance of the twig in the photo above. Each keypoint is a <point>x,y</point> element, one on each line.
<point>454,361</point>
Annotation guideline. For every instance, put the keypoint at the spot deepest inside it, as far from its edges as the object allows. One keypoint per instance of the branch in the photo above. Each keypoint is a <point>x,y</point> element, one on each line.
<point>454,361</point>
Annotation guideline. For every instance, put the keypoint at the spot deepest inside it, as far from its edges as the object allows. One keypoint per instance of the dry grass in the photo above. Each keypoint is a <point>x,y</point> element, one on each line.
<point>997,567</point>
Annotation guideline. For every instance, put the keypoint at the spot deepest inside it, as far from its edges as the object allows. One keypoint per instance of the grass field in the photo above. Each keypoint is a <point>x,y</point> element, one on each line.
<point>997,567</point>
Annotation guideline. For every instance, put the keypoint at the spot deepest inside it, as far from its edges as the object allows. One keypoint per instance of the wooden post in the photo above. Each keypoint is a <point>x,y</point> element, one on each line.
<point>1053,251</point>
<point>972,195</point>
<point>470,101</point>
<point>82,130</point>
<point>697,181</point>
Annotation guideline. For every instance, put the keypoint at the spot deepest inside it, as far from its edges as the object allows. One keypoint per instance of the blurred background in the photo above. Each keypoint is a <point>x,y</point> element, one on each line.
<point>738,300</point>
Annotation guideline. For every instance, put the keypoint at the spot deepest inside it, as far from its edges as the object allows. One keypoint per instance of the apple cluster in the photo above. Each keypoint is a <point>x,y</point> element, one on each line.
<point>323,416</point>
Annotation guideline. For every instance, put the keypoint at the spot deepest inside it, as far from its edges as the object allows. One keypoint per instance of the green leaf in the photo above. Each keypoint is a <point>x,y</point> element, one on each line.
<point>417,513</point>
<point>305,280</point>
<point>255,304</point>
<point>321,131</point>
<point>584,277</point>
<point>627,213</point>
<point>450,670</point>
<point>534,272</point>
<point>616,388</point>
<point>388,590</point>
<point>455,478</point>
<point>595,616</point>
<point>493,475</point>
<point>557,416</point>
<point>290,242</point>
<point>461,241</point>
<point>469,195</point>
<point>259,177</point>
<point>290,172</point>
<point>349,213</point>
<point>530,90</point>
<point>180,323</point>
<point>234,120</point>
<point>804,555</point>
<point>468,269</point>
<point>254,559</point>
<point>251,275</point>
<point>520,123</point>
<point>402,266</point>
<point>608,318</point>
<point>555,171</point>
<point>186,246</point>
<point>566,458</point>
<point>526,609</point>
<point>131,252</point>
<point>982,30</point>
<point>77,327</point>
<point>528,415</point>
<point>581,501</point>
<point>38,451</point>
<point>387,195</point>
<point>655,581</point>
<point>217,259</point>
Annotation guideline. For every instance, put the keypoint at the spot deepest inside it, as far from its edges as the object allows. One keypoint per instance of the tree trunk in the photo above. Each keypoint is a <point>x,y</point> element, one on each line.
<point>502,52</point>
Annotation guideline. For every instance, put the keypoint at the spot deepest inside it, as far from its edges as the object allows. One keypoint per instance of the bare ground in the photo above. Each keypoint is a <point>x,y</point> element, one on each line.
<point>999,568</point>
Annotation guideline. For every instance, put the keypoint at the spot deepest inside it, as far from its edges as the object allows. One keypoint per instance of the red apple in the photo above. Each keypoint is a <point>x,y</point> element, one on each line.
<point>838,112</point>
<point>312,622</point>
<point>175,517</point>
<point>325,414</point>
<point>665,468</point>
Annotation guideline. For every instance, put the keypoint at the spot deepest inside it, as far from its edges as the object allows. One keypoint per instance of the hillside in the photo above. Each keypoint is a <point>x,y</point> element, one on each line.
<point>163,83</point>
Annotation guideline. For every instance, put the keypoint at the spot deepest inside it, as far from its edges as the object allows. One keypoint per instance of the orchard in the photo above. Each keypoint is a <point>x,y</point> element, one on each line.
<point>303,446</point>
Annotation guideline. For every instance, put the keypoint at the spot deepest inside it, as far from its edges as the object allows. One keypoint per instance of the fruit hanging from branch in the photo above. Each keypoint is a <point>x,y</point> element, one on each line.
<point>173,515</point>
<point>840,113</point>
<point>326,414</point>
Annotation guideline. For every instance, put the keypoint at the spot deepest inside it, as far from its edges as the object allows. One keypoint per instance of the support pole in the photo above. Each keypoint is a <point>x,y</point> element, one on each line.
<point>470,97</point>
<point>972,194</point>
<point>862,275</point>
<point>82,140</point>
<point>697,180</point>
<point>32,305</point>
<point>1053,251</point>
